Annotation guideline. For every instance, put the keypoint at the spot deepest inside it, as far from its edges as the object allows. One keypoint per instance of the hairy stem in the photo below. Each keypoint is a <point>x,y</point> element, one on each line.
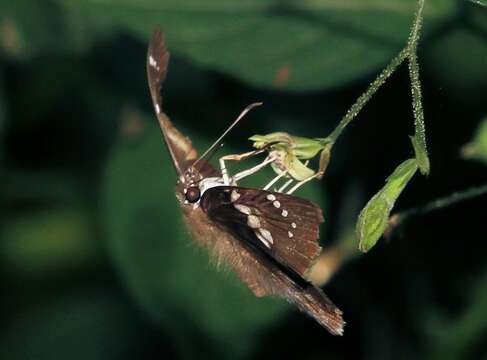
<point>478,2</point>
<point>420,132</point>
<point>409,52</point>
<point>398,220</point>
<point>446,201</point>
<point>363,99</point>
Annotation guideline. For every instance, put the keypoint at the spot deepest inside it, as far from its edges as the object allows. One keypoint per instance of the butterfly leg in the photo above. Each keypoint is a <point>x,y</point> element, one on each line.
<point>236,157</point>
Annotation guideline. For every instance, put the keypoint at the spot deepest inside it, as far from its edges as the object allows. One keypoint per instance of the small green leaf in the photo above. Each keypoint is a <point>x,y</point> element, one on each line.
<point>373,219</point>
<point>477,148</point>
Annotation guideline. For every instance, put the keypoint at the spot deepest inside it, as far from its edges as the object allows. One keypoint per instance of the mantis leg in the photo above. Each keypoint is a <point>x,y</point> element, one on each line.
<point>302,182</point>
<point>276,179</point>
<point>254,169</point>
<point>237,157</point>
<point>284,187</point>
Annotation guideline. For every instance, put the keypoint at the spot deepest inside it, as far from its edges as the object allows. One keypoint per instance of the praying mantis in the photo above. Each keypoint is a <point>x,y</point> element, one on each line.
<point>285,154</point>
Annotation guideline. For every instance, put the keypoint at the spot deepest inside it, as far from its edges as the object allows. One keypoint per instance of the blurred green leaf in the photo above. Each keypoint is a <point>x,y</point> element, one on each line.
<point>48,241</point>
<point>477,148</point>
<point>83,325</point>
<point>456,338</point>
<point>171,278</point>
<point>271,43</point>
<point>29,27</point>
<point>3,118</point>
<point>42,186</point>
<point>374,217</point>
<point>456,59</point>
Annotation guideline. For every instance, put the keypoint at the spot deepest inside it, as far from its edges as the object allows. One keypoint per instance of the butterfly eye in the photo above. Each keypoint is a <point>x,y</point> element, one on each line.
<point>193,194</point>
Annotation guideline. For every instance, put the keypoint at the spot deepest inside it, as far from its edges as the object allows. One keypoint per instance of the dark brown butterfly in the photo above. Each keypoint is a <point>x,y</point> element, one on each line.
<point>269,238</point>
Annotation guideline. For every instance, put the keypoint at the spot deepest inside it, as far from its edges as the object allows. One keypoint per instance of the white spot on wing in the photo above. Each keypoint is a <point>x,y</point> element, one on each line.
<point>243,209</point>
<point>152,61</point>
<point>267,235</point>
<point>294,225</point>
<point>261,238</point>
<point>271,197</point>
<point>158,109</point>
<point>253,221</point>
<point>276,204</point>
<point>290,234</point>
<point>234,195</point>
<point>284,213</point>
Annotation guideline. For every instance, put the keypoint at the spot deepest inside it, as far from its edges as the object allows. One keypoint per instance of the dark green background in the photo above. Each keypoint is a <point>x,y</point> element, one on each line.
<point>95,263</point>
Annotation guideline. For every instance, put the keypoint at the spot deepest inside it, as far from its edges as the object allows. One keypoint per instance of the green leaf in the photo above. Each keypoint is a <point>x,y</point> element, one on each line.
<point>172,279</point>
<point>477,148</point>
<point>30,27</point>
<point>373,219</point>
<point>456,59</point>
<point>3,118</point>
<point>301,45</point>
<point>50,241</point>
<point>77,324</point>
<point>454,337</point>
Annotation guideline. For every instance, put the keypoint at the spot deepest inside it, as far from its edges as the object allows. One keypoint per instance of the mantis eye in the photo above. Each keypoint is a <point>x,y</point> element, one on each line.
<point>193,194</point>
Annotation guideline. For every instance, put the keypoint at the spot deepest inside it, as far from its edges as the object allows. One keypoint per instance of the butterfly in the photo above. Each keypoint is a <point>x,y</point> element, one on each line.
<point>269,238</point>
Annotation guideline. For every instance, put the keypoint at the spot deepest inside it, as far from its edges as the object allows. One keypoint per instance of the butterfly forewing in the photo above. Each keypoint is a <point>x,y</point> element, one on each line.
<point>285,226</point>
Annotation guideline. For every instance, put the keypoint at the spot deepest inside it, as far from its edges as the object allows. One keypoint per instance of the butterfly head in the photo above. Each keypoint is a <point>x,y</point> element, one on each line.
<point>192,194</point>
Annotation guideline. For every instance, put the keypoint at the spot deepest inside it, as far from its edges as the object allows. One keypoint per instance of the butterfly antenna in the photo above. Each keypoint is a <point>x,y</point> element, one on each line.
<point>219,140</point>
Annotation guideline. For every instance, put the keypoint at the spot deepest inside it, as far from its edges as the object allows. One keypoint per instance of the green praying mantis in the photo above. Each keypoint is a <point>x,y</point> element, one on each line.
<point>292,156</point>
<point>288,155</point>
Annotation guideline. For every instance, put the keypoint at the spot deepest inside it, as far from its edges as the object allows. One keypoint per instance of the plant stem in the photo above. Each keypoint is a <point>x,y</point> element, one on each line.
<point>478,2</point>
<point>443,202</point>
<point>420,132</point>
<point>363,99</point>
<point>409,52</point>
